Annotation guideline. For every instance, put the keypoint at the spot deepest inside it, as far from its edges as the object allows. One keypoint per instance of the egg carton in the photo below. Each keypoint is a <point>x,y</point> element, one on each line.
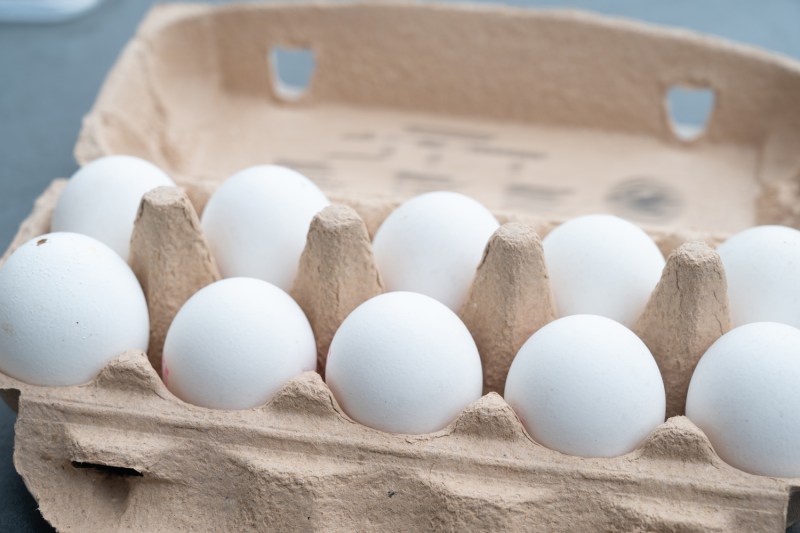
<point>418,97</point>
<point>123,453</point>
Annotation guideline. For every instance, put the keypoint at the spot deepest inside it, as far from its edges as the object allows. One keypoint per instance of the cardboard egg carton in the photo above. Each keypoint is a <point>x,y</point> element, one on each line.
<point>540,115</point>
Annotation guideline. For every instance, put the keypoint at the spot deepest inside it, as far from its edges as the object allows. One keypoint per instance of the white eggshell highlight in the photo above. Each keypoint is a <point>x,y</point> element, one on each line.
<point>586,385</point>
<point>762,266</point>
<point>68,305</point>
<point>257,221</point>
<point>102,198</point>
<point>744,396</point>
<point>234,343</point>
<point>402,362</point>
<point>433,244</point>
<point>602,265</point>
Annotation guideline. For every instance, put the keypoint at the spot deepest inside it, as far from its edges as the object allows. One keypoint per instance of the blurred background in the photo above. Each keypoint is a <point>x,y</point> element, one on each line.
<point>50,73</point>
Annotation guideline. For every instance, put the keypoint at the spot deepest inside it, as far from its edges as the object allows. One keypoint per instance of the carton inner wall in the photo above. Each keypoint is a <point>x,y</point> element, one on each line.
<point>517,109</point>
<point>540,171</point>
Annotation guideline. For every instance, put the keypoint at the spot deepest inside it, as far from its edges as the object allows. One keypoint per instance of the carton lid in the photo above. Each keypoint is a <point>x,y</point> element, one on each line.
<point>547,114</point>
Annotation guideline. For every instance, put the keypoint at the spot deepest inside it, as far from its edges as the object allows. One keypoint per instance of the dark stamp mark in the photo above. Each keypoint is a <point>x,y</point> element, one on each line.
<point>381,155</point>
<point>408,175</point>
<point>41,242</point>
<point>419,182</point>
<point>532,196</point>
<point>299,164</point>
<point>506,152</point>
<point>433,144</point>
<point>645,198</point>
<point>447,132</point>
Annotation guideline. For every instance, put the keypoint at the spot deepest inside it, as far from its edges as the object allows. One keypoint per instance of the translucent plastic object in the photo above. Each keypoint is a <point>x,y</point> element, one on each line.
<point>44,10</point>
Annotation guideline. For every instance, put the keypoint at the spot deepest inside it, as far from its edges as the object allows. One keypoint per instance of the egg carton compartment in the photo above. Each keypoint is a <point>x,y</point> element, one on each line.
<point>123,453</point>
<point>513,107</point>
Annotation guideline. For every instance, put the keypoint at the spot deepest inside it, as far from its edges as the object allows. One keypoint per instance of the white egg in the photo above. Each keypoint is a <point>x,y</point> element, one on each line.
<point>257,221</point>
<point>586,385</point>
<point>68,305</point>
<point>602,265</point>
<point>433,244</point>
<point>744,396</point>
<point>762,266</point>
<point>404,363</point>
<point>102,198</point>
<point>234,343</point>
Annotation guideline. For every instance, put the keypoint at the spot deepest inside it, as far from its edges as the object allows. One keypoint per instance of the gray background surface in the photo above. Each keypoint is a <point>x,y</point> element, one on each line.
<point>50,75</point>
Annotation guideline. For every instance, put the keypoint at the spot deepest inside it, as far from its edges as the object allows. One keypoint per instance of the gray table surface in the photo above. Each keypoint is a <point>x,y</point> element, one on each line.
<point>50,75</point>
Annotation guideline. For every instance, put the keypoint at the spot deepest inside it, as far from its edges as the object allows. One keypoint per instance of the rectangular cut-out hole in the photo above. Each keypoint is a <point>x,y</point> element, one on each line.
<point>689,110</point>
<point>11,397</point>
<point>119,471</point>
<point>292,70</point>
<point>793,511</point>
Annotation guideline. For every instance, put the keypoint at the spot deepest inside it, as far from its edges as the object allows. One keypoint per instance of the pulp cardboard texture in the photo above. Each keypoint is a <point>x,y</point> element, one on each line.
<point>540,115</point>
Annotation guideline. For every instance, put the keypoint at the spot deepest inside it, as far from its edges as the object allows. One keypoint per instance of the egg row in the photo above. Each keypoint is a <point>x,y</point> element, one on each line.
<point>400,362</point>
<point>256,224</point>
<point>284,332</point>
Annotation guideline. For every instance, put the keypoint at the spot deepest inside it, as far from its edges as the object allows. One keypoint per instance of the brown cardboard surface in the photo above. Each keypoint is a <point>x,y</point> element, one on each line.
<point>170,265</point>
<point>541,115</point>
<point>299,464</point>
<point>547,113</point>
<point>122,453</point>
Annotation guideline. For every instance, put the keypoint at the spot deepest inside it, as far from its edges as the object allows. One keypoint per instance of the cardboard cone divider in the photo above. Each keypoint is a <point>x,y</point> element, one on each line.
<point>509,300</point>
<point>336,274</point>
<point>122,452</point>
<point>171,259</point>
<point>686,313</point>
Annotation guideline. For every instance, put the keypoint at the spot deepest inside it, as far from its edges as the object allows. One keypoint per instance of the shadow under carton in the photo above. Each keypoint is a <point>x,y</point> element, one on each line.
<point>415,98</point>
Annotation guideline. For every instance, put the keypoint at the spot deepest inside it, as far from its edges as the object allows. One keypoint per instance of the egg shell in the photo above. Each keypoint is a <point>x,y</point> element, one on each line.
<point>744,396</point>
<point>433,244</point>
<point>68,305</point>
<point>762,266</point>
<point>402,362</point>
<point>256,223</point>
<point>234,343</point>
<point>602,265</point>
<point>101,199</point>
<point>586,385</point>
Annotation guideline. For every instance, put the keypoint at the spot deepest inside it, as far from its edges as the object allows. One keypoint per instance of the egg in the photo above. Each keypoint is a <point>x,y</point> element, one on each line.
<point>102,198</point>
<point>257,221</point>
<point>602,265</point>
<point>586,385</point>
<point>234,343</point>
<point>68,305</point>
<point>433,244</point>
<point>402,362</point>
<point>762,266</point>
<point>743,395</point>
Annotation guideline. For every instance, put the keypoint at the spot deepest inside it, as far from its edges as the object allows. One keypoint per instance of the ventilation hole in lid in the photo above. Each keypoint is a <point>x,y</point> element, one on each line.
<point>120,471</point>
<point>689,110</point>
<point>292,70</point>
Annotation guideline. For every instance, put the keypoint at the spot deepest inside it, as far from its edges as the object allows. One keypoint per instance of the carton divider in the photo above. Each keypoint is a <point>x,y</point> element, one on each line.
<point>509,300</point>
<point>336,273</point>
<point>687,311</point>
<point>171,259</point>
